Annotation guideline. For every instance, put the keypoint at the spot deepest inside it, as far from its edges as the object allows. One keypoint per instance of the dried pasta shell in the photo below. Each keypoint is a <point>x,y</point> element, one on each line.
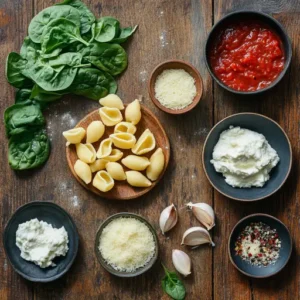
<point>113,101</point>
<point>110,116</point>
<point>86,153</point>
<point>94,131</point>
<point>115,155</point>
<point>75,135</point>
<point>98,165</point>
<point>116,171</point>
<point>104,148</point>
<point>133,112</point>
<point>103,181</point>
<point>145,143</point>
<point>157,163</point>
<point>137,163</point>
<point>137,179</point>
<point>83,171</point>
<point>123,140</point>
<point>125,127</point>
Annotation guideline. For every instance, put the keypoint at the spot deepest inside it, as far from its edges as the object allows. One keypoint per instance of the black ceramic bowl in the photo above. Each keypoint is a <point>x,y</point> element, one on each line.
<point>284,254</point>
<point>108,267</point>
<point>250,15</point>
<point>57,217</point>
<point>276,137</point>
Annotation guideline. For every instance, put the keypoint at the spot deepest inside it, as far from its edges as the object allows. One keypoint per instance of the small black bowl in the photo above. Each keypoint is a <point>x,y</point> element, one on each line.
<point>107,266</point>
<point>249,15</point>
<point>57,217</point>
<point>276,137</point>
<point>284,254</point>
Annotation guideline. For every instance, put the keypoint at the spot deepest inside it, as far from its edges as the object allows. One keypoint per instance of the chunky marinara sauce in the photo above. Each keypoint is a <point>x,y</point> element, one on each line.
<point>247,56</point>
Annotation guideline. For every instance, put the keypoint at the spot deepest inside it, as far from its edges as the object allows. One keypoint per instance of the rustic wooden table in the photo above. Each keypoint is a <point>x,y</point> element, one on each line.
<point>167,29</point>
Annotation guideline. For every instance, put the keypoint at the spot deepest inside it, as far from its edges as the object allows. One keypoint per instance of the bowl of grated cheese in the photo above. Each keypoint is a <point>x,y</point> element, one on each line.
<point>175,86</point>
<point>126,245</point>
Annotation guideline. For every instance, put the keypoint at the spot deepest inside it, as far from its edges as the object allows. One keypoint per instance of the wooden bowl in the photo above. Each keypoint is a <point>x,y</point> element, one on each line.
<point>176,64</point>
<point>122,190</point>
<point>284,255</point>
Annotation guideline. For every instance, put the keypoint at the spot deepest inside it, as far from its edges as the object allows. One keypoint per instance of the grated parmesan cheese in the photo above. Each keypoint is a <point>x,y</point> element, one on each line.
<point>126,244</point>
<point>175,88</point>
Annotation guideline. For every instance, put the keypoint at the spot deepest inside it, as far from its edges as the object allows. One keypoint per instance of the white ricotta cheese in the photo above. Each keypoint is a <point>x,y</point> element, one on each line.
<point>244,157</point>
<point>40,243</point>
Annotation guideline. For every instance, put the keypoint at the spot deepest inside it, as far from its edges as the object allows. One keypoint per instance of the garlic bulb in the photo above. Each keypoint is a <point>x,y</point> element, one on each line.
<point>204,214</point>
<point>196,236</point>
<point>168,218</point>
<point>181,262</point>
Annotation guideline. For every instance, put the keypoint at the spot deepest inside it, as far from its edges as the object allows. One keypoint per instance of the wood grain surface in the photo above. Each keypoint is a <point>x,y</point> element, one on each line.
<point>167,30</point>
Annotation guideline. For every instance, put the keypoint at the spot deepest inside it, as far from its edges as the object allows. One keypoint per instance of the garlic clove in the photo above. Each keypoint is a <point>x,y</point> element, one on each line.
<point>181,262</point>
<point>204,214</point>
<point>168,218</point>
<point>196,236</point>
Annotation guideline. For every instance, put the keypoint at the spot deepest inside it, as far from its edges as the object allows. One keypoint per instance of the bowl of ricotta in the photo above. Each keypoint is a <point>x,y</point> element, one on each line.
<point>247,157</point>
<point>41,241</point>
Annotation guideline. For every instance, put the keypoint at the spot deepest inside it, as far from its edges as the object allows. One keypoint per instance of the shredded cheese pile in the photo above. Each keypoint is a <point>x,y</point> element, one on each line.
<point>175,88</point>
<point>127,244</point>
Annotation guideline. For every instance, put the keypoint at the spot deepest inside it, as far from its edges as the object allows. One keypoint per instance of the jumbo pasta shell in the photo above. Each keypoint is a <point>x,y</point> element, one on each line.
<point>105,148</point>
<point>110,116</point>
<point>145,143</point>
<point>103,181</point>
<point>86,153</point>
<point>123,140</point>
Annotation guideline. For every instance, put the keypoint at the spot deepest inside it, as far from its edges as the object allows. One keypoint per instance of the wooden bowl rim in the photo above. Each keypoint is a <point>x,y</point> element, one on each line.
<point>248,217</point>
<point>142,191</point>
<point>239,199</point>
<point>164,65</point>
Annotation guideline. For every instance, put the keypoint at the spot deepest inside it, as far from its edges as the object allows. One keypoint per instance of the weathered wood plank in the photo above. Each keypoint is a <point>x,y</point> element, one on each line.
<point>14,17</point>
<point>281,104</point>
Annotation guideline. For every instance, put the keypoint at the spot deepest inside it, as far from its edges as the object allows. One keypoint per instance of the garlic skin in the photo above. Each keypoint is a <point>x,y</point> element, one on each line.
<point>204,214</point>
<point>168,218</point>
<point>181,262</point>
<point>196,236</point>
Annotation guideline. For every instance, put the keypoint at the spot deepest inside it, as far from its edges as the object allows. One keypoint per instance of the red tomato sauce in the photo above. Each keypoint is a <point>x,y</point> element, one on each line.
<point>247,56</point>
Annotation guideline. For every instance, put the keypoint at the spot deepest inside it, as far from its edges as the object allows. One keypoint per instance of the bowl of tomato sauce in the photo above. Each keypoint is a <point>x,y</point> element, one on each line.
<point>248,52</point>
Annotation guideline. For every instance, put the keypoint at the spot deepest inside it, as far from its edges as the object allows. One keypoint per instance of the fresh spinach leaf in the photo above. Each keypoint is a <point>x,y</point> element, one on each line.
<point>40,22</point>
<point>93,84</point>
<point>124,35</point>
<point>20,116</point>
<point>52,54</point>
<point>13,71</point>
<point>172,285</point>
<point>22,95</point>
<point>61,33</point>
<point>30,50</point>
<point>28,150</point>
<point>106,29</point>
<point>111,58</point>
<point>42,96</point>
<point>87,18</point>
<point>52,78</point>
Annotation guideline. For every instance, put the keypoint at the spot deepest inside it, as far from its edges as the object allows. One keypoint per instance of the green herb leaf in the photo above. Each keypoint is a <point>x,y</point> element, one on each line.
<point>21,116</point>
<point>106,29</point>
<point>111,58</point>
<point>172,285</point>
<point>124,35</point>
<point>38,25</point>
<point>14,66</point>
<point>28,150</point>
<point>86,16</point>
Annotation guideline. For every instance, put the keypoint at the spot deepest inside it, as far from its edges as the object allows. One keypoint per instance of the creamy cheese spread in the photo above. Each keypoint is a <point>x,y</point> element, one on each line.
<point>244,157</point>
<point>40,243</point>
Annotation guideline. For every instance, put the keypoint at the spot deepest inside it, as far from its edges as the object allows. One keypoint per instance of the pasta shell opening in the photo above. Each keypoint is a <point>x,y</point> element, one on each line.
<point>125,127</point>
<point>115,155</point>
<point>103,181</point>
<point>123,140</point>
<point>110,116</point>
<point>105,148</point>
<point>145,143</point>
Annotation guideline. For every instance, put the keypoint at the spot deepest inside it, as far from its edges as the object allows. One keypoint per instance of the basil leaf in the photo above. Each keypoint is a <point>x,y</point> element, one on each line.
<point>38,25</point>
<point>14,66</point>
<point>28,150</point>
<point>173,286</point>
<point>87,18</point>
<point>111,58</point>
